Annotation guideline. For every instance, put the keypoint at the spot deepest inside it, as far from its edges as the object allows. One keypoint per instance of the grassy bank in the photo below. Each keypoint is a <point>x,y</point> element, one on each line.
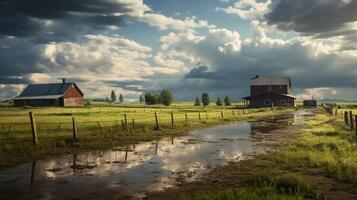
<point>321,163</point>
<point>18,148</point>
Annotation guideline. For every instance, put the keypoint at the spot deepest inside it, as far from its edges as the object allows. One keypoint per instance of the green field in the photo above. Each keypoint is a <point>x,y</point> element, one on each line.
<point>16,120</point>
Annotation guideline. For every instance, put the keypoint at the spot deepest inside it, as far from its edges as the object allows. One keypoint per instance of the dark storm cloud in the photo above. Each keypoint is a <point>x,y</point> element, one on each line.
<point>18,56</point>
<point>23,18</point>
<point>313,16</point>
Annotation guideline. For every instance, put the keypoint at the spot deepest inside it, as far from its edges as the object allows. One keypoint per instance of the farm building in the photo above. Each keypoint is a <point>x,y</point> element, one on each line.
<point>51,94</point>
<point>270,91</point>
<point>310,103</point>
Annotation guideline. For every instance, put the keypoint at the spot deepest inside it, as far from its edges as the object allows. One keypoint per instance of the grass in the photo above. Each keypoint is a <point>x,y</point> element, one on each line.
<point>320,163</point>
<point>100,128</point>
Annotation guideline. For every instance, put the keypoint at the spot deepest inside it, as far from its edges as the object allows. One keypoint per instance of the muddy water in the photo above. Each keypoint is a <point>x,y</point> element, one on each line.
<point>131,171</point>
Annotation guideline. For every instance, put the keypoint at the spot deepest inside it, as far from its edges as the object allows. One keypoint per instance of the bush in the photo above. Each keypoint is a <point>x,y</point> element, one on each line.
<point>166,97</point>
<point>152,98</point>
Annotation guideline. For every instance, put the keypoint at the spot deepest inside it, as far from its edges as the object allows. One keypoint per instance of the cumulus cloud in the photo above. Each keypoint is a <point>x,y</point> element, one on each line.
<point>248,9</point>
<point>316,93</point>
<point>163,22</point>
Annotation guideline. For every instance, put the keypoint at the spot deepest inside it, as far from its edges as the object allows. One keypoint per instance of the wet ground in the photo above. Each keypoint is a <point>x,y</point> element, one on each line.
<point>132,171</point>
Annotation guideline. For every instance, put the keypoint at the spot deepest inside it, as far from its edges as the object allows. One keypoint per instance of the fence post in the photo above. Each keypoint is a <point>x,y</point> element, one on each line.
<point>172,120</point>
<point>199,116</point>
<point>222,114</point>
<point>133,123</point>
<point>126,123</point>
<point>33,128</point>
<point>101,129</point>
<point>122,125</point>
<point>356,124</point>
<point>74,129</point>
<point>346,118</point>
<point>206,115</point>
<point>351,121</point>
<point>186,119</point>
<point>157,121</point>
<point>336,111</point>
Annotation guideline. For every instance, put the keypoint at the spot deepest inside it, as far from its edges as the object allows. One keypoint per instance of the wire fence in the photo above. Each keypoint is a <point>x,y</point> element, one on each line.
<point>349,115</point>
<point>127,122</point>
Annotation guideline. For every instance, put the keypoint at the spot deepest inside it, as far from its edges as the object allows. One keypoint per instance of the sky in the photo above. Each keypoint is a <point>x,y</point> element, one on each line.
<point>190,47</point>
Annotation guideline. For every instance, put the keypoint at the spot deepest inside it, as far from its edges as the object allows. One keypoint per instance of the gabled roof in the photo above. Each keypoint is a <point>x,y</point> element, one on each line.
<point>49,90</point>
<point>271,80</point>
<point>285,95</point>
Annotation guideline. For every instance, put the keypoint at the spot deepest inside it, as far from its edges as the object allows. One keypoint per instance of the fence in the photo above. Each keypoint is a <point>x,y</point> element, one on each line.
<point>127,123</point>
<point>350,120</point>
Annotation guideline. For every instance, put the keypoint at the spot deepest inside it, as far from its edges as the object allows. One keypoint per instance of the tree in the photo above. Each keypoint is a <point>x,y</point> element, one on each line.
<point>166,97</point>
<point>113,96</point>
<point>121,98</point>
<point>197,102</point>
<point>141,99</point>
<point>152,98</point>
<point>227,101</point>
<point>219,101</point>
<point>205,99</point>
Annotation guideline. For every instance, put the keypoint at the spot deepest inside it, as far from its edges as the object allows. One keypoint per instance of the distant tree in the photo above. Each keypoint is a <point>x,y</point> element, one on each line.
<point>219,101</point>
<point>107,99</point>
<point>205,99</point>
<point>197,102</point>
<point>88,102</point>
<point>166,97</point>
<point>121,98</point>
<point>152,98</point>
<point>113,96</point>
<point>227,101</point>
<point>141,99</point>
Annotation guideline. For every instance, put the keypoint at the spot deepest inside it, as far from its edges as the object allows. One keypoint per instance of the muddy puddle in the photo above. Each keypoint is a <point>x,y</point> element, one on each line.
<point>131,171</point>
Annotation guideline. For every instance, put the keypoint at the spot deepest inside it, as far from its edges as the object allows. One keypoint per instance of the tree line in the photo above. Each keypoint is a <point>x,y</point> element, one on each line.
<point>205,100</point>
<point>166,97</point>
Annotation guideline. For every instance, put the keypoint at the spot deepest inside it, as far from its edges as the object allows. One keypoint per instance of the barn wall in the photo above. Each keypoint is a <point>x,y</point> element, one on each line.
<point>260,89</point>
<point>277,100</point>
<point>36,102</point>
<point>73,98</point>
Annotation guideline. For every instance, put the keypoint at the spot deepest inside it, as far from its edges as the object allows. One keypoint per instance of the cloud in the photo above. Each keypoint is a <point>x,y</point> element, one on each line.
<point>163,22</point>
<point>313,17</point>
<point>52,20</point>
<point>316,93</point>
<point>248,9</point>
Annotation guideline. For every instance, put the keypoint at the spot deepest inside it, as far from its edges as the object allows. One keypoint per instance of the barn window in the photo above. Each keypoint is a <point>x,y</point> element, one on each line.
<point>283,102</point>
<point>267,101</point>
<point>291,102</point>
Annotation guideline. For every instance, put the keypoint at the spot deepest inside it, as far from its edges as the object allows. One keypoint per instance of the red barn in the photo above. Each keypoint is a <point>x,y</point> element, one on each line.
<point>51,94</point>
<point>268,91</point>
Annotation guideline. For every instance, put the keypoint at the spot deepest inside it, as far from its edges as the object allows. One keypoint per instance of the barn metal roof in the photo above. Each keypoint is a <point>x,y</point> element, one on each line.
<point>271,80</point>
<point>45,90</point>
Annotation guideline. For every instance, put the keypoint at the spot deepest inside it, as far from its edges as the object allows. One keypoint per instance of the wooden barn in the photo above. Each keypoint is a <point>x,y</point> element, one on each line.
<point>51,94</point>
<point>270,91</point>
